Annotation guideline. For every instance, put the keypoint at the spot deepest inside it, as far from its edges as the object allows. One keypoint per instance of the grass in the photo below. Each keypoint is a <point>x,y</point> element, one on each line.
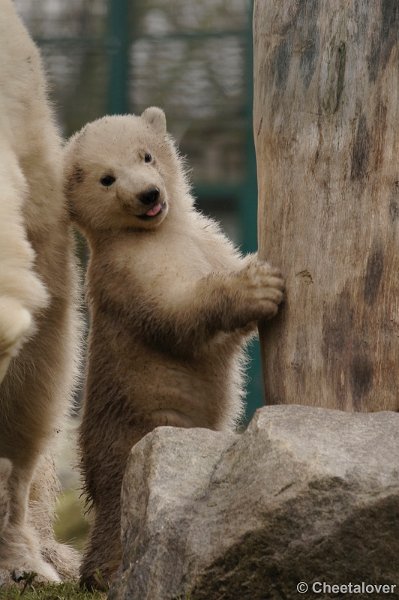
<point>53,591</point>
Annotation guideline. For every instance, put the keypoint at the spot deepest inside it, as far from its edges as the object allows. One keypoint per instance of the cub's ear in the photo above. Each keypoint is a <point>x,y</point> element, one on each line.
<point>155,117</point>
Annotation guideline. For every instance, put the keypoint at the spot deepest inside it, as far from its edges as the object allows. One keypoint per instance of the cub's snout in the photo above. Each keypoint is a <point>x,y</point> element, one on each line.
<point>147,205</point>
<point>150,196</point>
<point>153,204</point>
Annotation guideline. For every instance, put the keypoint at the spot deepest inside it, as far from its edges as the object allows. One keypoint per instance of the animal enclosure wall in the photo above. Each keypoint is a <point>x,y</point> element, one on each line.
<point>326,125</point>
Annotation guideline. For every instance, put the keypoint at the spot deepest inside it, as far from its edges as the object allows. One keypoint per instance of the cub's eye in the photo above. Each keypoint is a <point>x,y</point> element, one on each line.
<point>107,180</point>
<point>147,157</point>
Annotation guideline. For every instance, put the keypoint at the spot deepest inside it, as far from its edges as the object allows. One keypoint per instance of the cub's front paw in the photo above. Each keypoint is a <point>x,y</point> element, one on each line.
<point>261,290</point>
<point>15,325</point>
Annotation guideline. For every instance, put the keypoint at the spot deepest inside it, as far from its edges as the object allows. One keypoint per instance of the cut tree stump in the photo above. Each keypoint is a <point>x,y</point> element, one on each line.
<point>326,126</point>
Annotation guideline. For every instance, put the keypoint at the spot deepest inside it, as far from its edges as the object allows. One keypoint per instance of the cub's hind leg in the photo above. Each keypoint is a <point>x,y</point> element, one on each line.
<point>104,472</point>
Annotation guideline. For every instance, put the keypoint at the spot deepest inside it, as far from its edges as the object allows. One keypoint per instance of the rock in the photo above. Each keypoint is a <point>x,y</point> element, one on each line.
<point>303,495</point>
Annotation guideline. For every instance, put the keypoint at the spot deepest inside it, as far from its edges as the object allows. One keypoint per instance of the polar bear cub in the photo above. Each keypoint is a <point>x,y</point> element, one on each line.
<point>171,300</point>
<point>38,324</point>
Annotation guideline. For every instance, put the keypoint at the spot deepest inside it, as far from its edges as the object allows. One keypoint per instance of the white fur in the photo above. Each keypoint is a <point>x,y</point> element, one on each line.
<point>37,321</point>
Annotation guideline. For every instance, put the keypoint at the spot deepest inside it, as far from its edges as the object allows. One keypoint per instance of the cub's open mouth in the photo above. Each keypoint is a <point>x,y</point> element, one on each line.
<point>153,212</point>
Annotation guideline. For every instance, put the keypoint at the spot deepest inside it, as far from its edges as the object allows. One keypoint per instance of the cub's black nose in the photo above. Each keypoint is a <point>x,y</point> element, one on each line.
<point>150,196</point>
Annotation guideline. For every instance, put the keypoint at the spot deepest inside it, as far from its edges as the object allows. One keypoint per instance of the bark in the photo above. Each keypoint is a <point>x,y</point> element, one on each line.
<point>326,125</point>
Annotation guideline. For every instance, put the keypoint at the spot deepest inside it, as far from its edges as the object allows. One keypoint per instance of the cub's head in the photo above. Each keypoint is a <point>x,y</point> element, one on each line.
<point>123,172</point>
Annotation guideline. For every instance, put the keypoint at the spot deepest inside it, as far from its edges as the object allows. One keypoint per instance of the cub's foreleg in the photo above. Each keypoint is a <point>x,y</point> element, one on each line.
<point>189,315</point>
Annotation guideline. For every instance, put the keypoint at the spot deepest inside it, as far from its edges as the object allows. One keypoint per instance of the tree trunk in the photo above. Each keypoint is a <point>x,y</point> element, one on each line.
<point>326,125</point>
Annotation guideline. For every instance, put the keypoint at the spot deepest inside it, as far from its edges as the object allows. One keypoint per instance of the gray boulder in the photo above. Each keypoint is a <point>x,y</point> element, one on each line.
<point>303,495</point>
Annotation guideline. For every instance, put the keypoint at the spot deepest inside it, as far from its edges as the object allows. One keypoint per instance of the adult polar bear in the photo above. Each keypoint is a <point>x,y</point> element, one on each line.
<point>38,324</point>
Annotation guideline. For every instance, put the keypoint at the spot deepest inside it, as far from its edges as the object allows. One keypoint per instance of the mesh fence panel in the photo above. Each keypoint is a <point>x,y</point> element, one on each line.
<point>186,56</point>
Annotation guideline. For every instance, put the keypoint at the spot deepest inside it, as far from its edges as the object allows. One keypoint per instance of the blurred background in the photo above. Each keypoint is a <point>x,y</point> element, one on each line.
<point>193,58</point>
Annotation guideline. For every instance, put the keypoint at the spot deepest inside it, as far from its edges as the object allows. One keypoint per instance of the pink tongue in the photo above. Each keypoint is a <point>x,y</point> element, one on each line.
<point>154,210</point>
